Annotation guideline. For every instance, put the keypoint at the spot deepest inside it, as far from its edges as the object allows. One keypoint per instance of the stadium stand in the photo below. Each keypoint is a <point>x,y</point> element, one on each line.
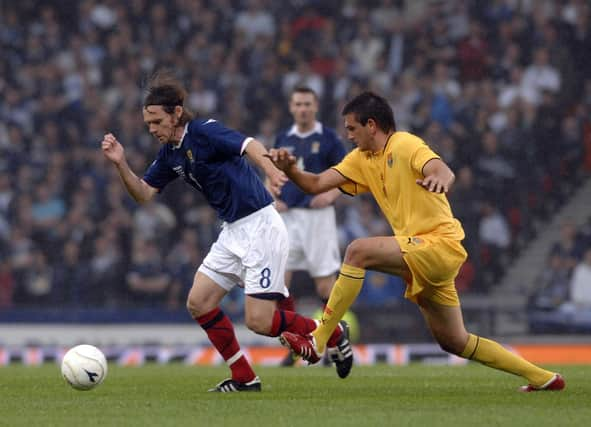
<point>500,89</point>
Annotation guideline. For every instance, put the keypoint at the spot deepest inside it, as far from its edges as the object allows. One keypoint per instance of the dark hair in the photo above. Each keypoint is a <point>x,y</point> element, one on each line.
<point>367,106</point>
<point>166,90</point>
<point>304,89</point>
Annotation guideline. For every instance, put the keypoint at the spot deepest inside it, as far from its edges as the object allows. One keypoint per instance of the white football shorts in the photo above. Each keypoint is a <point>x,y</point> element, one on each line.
<point>251,252</point>
<point>313,239</point>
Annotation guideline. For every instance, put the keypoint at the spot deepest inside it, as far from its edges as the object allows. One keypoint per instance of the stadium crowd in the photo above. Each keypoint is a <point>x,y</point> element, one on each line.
<point>500,89</point>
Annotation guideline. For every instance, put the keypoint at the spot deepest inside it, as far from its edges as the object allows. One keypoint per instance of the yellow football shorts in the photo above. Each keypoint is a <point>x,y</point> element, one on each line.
<point>434,262</point>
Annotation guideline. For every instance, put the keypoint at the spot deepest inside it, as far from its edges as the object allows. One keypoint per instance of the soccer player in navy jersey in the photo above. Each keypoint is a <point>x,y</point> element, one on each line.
<point>310,219</point>
<point>252,247</point>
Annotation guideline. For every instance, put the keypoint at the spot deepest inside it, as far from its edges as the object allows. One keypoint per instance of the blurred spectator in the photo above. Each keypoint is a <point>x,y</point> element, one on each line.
<point>182,263</point>
<point>106,272</point>
<point>465,199</point>
<point>303,75</point>
<point>494,172</point>
<point>552,284</point>
<point>47,209</point>
<point>153,221</point>
<point>580,283</point>
<point>7,285</point>
<point>148,281</point>
<point>71,279</point>
<point>379,289</point>
<point>366,48</point>
<point>562,298</point>
<point>255,21</point>
<point>571,137</point>
<point>361,221</point>
<point>473,54</point>
<point>493,228</point>
<point>538,77</point>
<point>570,246</point>
<point>495,239</point>
<point>36,284</point>
<point>397,42</point>
<point>267,131</point>
<point>201,99</point>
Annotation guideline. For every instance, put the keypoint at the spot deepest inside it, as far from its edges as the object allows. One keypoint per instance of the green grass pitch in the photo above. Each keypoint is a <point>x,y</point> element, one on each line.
<point>175,395</point>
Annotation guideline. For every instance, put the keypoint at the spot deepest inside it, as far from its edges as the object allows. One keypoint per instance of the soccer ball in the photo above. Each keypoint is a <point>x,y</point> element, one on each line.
<point>84,367</point>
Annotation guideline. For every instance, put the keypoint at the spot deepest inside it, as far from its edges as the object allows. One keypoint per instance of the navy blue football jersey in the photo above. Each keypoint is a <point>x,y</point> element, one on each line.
<point>209,158</point>
<point>315,152</point>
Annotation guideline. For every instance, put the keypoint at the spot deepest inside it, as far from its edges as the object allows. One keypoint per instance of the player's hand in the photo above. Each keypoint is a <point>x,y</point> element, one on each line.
<point>276,182</point>
<point>435,184</point>
<point>281,158</point>
<point>112,149</point>
<point>281,206</point>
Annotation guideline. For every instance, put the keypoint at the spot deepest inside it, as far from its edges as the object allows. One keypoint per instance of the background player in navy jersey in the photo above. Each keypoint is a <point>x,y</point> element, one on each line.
<point>252,247</point>
<point>310,219</point>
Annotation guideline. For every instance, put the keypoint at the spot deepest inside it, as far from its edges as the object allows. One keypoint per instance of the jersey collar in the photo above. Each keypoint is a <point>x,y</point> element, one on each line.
<point>316,129</point>
<point>185,130</point>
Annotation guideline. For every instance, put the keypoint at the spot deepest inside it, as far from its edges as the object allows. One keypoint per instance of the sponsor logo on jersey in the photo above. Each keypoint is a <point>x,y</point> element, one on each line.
<point>179,170</point>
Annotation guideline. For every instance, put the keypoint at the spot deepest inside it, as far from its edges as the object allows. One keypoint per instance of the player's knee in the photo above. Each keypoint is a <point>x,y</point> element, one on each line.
<point>355,254</point>
<point>453,345</point>
<point>197,307</point>
<point>193,308</point>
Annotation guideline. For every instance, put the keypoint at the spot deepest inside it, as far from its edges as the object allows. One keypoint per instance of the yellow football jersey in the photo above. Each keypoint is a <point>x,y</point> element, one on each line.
<point>391,177</point>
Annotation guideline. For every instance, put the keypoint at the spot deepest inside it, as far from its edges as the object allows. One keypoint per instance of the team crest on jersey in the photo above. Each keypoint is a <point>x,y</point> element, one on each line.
<point>315,149</point>
<point>190,156</point>
<point>390,160</point>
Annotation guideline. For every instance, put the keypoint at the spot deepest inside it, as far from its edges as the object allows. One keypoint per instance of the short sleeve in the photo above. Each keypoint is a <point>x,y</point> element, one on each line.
<point>353,189</point>
<point>223,139</point>
<point>159,174</point>
<point>350,168</point>
<point>418,153</point>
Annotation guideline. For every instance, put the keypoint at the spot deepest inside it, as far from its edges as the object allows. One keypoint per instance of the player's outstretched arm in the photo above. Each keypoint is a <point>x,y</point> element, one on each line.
<point>438,177</point>
<point>311,183</point>
<point>135,186</point>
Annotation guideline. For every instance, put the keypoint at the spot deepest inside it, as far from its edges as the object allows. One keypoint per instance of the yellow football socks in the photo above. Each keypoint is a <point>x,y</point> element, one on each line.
<point>491,353</point>
<point>344,292</point>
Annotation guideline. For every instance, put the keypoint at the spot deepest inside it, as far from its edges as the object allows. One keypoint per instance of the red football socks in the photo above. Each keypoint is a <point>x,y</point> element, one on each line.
<point>220,331</point>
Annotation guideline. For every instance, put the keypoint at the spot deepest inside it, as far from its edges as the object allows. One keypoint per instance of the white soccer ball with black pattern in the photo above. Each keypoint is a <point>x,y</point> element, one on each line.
<point>84,367</point>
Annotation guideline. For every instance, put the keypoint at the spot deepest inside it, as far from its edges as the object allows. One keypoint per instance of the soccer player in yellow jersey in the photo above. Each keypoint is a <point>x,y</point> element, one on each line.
<point>409,181</point>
